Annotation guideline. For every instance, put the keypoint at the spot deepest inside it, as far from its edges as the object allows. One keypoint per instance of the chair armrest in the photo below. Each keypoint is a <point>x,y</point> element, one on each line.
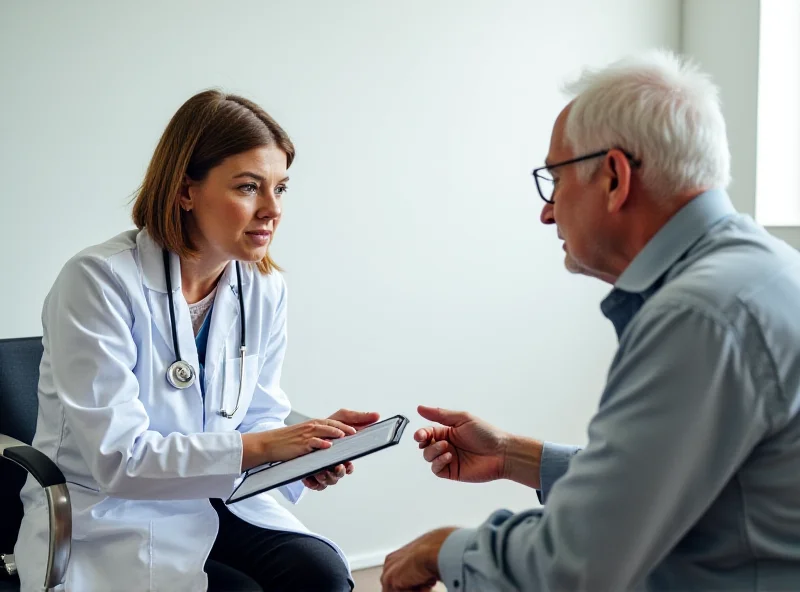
<point>59,508</point>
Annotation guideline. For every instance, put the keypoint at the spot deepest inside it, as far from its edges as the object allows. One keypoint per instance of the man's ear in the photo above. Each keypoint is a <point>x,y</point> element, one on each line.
<point>618,173</point>
<point>185,194</point>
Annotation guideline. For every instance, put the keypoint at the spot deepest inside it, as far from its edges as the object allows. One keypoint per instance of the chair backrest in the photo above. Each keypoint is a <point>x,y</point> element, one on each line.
<point>19,404</point>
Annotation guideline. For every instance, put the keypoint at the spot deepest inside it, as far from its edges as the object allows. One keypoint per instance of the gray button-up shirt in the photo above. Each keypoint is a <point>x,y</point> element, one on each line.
<point>691,476</point>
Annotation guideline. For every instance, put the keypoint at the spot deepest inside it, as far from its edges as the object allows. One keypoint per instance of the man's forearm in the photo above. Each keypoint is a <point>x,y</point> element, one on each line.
<point>523,461</point>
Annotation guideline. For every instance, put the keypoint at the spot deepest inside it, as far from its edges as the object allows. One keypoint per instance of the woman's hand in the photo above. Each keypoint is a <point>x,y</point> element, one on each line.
<point>356,419</point>
<point>290,442</point>
<point>324,479</point>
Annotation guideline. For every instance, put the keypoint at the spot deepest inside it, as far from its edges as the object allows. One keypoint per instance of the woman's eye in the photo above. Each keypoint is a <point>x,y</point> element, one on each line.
<point>248,188</point>
<point>281,189</point>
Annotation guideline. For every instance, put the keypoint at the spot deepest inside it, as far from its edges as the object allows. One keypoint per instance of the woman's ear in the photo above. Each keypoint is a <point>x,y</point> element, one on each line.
<point>185,195</point>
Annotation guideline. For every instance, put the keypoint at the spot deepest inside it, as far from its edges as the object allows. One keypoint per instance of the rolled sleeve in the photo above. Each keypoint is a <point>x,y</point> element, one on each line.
<point>555,462</point>
<point>451,558</point>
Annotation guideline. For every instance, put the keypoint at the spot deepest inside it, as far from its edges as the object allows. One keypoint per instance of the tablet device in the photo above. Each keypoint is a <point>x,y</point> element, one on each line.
<point>378,436</point>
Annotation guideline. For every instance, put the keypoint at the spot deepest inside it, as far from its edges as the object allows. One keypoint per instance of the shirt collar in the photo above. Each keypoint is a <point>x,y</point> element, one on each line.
<point>690,223</point>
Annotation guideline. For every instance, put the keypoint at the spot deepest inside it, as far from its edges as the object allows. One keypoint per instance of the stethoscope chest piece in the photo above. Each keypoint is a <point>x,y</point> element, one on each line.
<point>180,374</point>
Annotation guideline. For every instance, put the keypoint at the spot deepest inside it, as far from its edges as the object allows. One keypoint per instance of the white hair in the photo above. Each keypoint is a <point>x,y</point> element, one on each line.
<point>660,109</point>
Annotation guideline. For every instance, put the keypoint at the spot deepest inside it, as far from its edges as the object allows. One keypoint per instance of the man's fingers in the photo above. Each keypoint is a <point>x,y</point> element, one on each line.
<point>395,576</point>
<point>441,463</point>
<point>432,452</point>
<point>443,416</point>
<point>424,435</point>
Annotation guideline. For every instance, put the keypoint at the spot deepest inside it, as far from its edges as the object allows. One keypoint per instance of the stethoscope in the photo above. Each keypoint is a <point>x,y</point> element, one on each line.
<point>180,373</point>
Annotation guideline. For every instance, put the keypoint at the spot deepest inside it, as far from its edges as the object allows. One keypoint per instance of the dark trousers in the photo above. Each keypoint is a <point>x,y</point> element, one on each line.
<point>271,560</point>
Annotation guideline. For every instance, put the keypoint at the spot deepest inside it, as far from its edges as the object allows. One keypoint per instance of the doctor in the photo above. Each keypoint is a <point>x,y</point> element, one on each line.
<point>160,381</point>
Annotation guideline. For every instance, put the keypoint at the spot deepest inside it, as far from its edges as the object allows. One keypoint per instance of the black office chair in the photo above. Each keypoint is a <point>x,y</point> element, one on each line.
<point>19,377</point>
<point>19,382</point>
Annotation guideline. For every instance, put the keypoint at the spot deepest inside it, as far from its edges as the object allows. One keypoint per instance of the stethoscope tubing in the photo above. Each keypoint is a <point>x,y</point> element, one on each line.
<point>180,373</point>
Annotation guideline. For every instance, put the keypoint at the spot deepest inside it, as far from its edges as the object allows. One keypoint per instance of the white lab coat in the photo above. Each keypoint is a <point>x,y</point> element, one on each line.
<point>142,458</point>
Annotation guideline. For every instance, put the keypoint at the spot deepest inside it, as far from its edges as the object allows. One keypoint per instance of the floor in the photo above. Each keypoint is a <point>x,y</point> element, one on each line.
<point>369,580</point>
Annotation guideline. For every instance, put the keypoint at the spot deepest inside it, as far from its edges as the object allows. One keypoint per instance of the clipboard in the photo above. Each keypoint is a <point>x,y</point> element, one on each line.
<point>371,439</point>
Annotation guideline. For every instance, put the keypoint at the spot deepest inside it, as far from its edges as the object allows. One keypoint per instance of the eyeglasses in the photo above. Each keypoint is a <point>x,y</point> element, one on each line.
<point>545,183</point>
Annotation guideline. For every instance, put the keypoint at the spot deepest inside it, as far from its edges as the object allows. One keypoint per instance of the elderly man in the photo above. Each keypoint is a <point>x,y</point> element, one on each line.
<point>691,476</point>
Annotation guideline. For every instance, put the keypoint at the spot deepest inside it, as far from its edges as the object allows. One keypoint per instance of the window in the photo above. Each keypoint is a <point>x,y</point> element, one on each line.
<point>778,139</point>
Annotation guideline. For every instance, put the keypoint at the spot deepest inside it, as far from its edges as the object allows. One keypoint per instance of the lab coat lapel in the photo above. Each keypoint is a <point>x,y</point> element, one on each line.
<point>151,260</point>
<point>159,306</point>
<point>159,309</point>
<point>223,335</point>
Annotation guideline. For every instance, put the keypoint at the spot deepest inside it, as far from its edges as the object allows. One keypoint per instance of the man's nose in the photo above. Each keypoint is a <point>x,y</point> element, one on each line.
<point>547,216</point>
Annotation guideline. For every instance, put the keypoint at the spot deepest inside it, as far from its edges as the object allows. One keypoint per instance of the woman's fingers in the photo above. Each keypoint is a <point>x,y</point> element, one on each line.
<point>325,431</point>
<point>319,444</point>
<point>330,477</point>
<point>357,419</point>
<point>349,430</point>
<point>313,484</point>
<point>323,479</point>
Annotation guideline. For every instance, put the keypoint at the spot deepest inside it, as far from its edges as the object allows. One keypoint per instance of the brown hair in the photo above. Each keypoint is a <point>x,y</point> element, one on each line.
<point>208,128</point>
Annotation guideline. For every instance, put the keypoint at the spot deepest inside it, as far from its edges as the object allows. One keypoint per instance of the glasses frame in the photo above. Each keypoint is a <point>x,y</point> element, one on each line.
<point>635,162</point>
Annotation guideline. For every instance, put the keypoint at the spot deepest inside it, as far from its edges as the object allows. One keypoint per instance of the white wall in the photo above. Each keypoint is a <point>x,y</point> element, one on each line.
<point>723,35</point>
<point>417,268</point>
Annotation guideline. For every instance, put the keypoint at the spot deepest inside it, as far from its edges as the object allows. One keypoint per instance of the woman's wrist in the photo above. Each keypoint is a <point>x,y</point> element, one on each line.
<point>253,450</point>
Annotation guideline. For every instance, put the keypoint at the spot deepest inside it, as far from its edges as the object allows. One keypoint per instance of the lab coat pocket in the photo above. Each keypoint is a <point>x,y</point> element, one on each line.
<point>180,542</point>
<point>234,378</point>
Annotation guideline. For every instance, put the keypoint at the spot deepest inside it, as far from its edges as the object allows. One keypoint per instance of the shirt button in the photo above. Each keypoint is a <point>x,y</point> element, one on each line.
<point>456,583</point>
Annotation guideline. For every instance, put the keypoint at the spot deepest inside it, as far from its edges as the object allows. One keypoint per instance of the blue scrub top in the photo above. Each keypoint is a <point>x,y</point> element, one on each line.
<point>202,341</point>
